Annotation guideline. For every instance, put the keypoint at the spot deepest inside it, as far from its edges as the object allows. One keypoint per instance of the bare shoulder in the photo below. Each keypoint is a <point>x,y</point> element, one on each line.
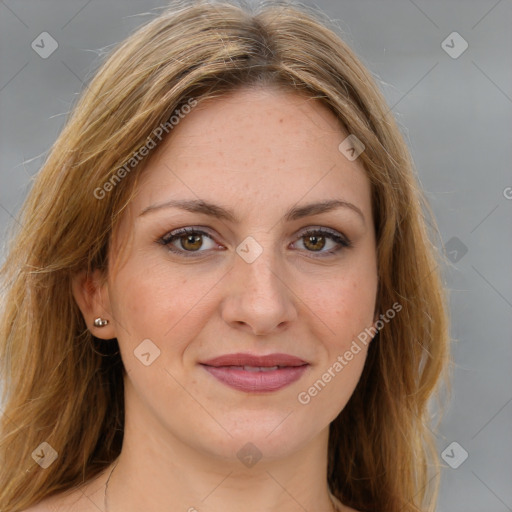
<point>43,506</point>
<point>36,508</point>
<point>50,505</point>
<point>88,497</point>
<point>65,502</point>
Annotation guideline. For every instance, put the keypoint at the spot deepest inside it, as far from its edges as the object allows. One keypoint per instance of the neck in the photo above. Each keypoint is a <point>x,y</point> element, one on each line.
<point>203,471</point>
<point>193,485</point>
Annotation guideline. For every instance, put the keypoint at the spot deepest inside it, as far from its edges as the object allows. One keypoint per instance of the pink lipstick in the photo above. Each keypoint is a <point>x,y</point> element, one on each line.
<point>256,374</point>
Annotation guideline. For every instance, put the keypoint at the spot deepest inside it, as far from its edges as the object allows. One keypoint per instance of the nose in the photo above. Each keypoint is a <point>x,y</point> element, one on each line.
<point>259,297</point>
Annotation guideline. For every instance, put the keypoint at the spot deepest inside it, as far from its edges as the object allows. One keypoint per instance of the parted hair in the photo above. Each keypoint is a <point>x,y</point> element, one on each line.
<point>61,386</point>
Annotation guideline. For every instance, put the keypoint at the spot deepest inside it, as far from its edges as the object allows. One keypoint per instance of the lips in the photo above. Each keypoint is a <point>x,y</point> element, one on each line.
<point>251,373</point>
<point>251,360</point>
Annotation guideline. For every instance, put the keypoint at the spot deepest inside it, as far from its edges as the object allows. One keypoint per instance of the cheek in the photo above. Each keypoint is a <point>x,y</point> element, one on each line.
<point>146,294</point>
<point>168,308</point>
<point>347,308</point>
<point>346,305</point>
<point>332,383</point>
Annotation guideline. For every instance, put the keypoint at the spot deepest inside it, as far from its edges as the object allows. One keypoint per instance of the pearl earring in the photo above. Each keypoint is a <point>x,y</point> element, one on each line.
<point>100,322</point>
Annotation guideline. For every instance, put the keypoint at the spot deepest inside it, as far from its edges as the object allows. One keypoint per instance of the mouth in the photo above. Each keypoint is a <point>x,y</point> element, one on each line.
<point>256,374</point>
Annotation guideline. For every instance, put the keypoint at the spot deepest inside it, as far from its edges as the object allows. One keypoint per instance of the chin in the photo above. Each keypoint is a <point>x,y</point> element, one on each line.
<point>273,437</point>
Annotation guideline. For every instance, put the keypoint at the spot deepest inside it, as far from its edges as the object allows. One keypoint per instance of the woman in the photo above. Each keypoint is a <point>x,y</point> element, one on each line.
<point>223,295</point>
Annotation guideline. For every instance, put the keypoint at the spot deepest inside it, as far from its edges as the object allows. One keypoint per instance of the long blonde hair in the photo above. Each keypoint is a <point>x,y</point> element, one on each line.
<point>60,388</point>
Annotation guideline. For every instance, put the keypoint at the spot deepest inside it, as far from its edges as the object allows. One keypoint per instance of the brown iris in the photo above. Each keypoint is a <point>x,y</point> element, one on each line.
<point>194,242</point>
<point>191,242</point>
<point>318,242</point>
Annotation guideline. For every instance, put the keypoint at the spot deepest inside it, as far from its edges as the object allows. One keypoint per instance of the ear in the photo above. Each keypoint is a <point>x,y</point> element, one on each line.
<point>91,294</point>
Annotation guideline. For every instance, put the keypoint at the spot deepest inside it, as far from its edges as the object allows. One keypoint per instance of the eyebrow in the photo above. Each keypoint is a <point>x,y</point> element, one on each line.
<point>219,212</point>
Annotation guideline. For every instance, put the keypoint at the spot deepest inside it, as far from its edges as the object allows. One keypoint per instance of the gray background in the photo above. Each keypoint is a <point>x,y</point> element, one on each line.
<point>456,116</point>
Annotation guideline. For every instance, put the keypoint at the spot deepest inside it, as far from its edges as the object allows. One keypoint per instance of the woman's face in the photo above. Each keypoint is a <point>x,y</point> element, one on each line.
<point>246,278</point>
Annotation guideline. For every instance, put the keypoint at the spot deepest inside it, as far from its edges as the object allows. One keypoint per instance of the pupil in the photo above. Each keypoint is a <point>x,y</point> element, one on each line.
<point>190,239</point>
<point>315,239</point>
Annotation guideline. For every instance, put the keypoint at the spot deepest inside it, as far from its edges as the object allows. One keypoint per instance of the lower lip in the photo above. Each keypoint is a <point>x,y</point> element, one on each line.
<point>256,382</point>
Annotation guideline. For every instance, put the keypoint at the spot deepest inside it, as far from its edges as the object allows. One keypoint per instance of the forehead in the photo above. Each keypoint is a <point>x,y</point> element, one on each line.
<point>271,146</point>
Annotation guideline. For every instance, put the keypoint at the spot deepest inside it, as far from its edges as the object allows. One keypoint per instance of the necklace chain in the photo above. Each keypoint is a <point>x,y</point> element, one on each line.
<point>105,505</point>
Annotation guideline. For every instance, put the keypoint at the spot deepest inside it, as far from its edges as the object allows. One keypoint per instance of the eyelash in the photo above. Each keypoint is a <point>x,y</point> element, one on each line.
<point>342,241</point>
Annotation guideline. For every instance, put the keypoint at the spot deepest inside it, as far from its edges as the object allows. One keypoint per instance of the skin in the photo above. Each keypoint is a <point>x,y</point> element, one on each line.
<point>259,152</point>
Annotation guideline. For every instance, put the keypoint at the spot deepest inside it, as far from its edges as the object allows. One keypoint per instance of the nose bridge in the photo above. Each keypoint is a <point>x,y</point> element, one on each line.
<point>258,265</point>
<point>259,296</point>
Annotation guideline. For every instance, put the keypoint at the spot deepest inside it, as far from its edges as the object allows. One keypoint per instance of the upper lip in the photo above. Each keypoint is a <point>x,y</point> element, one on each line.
<point>269,360</point>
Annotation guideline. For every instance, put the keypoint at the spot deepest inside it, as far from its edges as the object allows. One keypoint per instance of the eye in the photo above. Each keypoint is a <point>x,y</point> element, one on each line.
<point>186,240</point>
<point>318,239</point>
